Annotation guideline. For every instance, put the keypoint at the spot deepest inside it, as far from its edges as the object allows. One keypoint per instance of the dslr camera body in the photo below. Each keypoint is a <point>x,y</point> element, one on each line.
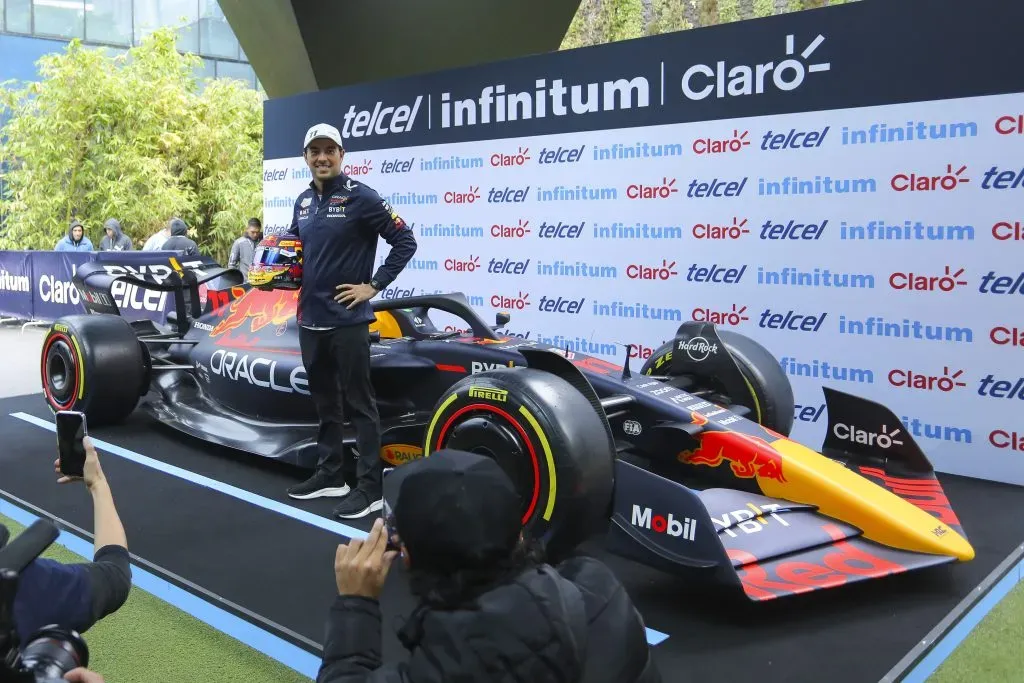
<point>50,652</point>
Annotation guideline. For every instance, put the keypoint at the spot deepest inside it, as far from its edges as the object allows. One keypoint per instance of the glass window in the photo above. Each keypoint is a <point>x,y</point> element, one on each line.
<point>216,39</point>
<point>63,18</point>
<point>1,29</point>
<point>206,70</point>
<point>108,21</point>
<point>181,14</point>
<point>235,70</point>
<point>19,16</point>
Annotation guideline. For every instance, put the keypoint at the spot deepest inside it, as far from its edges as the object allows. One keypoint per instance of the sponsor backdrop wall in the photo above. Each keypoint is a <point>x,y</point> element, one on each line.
<point>843,185</point>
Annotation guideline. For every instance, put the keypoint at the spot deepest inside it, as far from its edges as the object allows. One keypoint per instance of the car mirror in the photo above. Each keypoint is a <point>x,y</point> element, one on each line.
<point>375,336</point>
<point>502,318</point>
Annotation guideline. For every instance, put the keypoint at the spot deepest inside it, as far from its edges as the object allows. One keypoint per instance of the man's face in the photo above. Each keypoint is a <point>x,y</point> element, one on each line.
<point>324,159</point>
<point>76,233</point>
<point>110,232</point>
<point>252,231</point>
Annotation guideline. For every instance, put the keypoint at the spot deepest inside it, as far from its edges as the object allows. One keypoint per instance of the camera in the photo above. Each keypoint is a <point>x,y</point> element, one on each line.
<point>50,652</point>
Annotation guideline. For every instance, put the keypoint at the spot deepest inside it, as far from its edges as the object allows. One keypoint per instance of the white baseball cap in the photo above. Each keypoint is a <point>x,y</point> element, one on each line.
<point>323,130</point>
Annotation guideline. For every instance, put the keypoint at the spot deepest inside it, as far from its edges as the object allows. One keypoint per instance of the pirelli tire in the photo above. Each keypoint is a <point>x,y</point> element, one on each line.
<point>764,375</point>
<point>547,436</point>
<point>94,364</point>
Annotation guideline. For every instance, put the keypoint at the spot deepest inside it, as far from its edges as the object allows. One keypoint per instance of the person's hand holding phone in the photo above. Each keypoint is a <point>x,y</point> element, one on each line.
<point>361,567</point>
<point>92,472</point>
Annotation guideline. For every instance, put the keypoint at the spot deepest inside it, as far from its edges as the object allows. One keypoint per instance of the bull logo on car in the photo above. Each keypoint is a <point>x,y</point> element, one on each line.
<point>259,308</point>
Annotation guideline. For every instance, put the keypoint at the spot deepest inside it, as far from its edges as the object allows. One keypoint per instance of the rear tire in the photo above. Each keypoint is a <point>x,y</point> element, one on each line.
<point>771,387</point>
<point>547,437</point>
<point>94,364</point>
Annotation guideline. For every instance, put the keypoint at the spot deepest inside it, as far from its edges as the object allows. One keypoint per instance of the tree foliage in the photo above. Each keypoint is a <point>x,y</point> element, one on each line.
<point>134,137</point>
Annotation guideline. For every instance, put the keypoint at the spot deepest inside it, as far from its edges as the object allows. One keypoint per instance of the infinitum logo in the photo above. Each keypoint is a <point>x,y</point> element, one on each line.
<point>918,282</point>
<point>792,185</point>
<point>874,326</point>
<point>451,230</point>
<point>580,193</point>
<point>906,231</point>
<point>14,283</point>
<point>821,369</point>
<point>731,145</point>
<point>912,379</point>
<point>914,182</point>
<point>819,277</point>
<point>451,163</point>
<point>911,131</point>
<point>576,269</point>
<point>793,139</point>
<point>580,345</point>
<point>732,231</point>
<point>1001,284</point>
<point>702,80</point>
<point>638,231</point>
<point>618,309</point>
<point>638,150</point>
<point>666,189</point>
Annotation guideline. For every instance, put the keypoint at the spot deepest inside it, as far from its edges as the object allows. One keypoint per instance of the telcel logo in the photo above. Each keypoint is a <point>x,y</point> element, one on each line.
<point>1001,284</point>
<point>560,155</point>
<point>659,524</point>
<point>732,317</point>
<point>716,273</point>
<point>636,271</point>
<point>792,230</point>
<point>1002,180</point>
<point>912,182</point>
<point>1004,230</point>
<point>916,282</point>
<point>511,231</point>
<point>397,165</point>
<point>709,231</point>
<point>507,195</point>
<point>794,139</point>
<point>884,439</point>
<point>518,159</point>
<point>462,265</point>
<point>663,191</point>
<point>1001,388</point>
<point>462,197</point>
<point>715,188</point>
<point>909,379</point>
<point>513,303</point>
<point>560,305</point>
<point>1010,125</point>
<point>724,146</point>
<point>507,266</point>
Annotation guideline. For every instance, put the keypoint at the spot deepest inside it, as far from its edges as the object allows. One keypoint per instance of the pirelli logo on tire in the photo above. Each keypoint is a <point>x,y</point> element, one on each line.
<point>488,394</point>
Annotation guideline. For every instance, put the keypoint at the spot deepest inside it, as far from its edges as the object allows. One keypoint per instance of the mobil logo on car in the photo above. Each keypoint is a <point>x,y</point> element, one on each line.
<point>684,528</point>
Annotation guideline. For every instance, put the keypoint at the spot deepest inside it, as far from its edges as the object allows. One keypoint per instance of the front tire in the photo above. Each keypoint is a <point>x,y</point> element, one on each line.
<point>94,364</point>
<point>547,437</point>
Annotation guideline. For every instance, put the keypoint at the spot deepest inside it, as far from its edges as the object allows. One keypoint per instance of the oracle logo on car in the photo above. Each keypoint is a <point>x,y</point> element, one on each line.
<point>1000,438</point>
<point>468,265</point>
<point>1004,230</point>
<point>518,159</point>
<point>709,231</point>
<point>909,379</point>
<point>635,271</point>
<point>1010,125</point>
<point>517,231</point>
<point>515,303</point>
<point>663,191</point>
<point>722,146</point>
<point>917,282</point>
<point>913,182</point>
<point>645,518</point>
<point>462,197</point>
<point>1007,336</point>
<point>734,316</point>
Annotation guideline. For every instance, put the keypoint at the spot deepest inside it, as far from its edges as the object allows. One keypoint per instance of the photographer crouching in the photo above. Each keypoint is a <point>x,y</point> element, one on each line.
<point>489,607</point>
<point>50,595</point>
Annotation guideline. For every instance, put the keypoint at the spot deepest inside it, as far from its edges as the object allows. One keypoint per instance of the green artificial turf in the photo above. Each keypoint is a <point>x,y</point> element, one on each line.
<point>149,641</point>
<point>992,653</point>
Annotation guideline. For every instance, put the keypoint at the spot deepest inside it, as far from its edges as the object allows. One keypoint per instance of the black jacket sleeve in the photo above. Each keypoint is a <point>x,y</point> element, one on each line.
<point>110,578</point>
<point>352,647</point>
<point>386,222</point>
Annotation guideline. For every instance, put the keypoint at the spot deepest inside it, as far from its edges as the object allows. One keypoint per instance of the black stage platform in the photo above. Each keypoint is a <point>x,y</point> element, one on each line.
<point>281,568</point>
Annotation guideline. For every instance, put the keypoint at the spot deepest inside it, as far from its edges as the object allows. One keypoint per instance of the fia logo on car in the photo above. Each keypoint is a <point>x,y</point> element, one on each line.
<point>631,427</point>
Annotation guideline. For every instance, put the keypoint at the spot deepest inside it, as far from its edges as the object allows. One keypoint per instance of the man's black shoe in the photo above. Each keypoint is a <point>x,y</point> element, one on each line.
<point>318,486</point>
<point>358,504</point>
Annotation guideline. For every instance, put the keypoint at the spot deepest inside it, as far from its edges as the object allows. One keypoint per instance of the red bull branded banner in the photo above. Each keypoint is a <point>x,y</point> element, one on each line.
<point>857,209</point>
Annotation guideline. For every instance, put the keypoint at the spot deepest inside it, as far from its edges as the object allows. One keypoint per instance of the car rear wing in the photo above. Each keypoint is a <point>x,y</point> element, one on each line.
<point>100,283</point>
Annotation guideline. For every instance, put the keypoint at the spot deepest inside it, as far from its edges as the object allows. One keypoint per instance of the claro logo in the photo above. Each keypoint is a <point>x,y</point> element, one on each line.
<point>724,79</point>
<point>884,439</point>
<point>645,518</point>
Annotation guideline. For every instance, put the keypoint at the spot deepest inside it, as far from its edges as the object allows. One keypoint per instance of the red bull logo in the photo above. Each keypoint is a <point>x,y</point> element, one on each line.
<point>749,456</point>
<point>259,308</point>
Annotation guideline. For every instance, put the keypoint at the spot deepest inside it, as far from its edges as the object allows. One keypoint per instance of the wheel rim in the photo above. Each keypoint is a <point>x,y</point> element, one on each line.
<point>60,372</point>
<point>493,433</point>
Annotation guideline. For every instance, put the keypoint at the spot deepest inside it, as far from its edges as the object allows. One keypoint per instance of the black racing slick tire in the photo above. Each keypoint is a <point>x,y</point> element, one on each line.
<point>548,438</point>
<point>772,392</point>
<point>94,364</point>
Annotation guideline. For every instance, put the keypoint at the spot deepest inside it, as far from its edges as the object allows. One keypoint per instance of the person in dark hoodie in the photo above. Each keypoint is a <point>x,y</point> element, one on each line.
<point>489,608</point>
<point>76,239</point>
<point>115,239</point>
<point>179,240</point>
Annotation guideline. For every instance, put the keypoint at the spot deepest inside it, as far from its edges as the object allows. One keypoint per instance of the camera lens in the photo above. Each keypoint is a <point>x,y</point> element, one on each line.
<point>53,651</point>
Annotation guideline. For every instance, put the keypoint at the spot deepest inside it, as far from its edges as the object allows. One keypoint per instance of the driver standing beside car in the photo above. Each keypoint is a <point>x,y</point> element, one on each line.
<point>339,222</point>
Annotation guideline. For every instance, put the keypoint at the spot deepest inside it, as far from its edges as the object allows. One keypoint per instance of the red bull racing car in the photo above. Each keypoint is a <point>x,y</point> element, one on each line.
<point>685,461</point>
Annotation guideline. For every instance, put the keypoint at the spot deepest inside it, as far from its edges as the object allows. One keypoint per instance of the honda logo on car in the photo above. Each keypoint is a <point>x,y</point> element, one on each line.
<point>238,367</point>
<point>646,519</point>
<point>884,439</point>
<point>698,348</point>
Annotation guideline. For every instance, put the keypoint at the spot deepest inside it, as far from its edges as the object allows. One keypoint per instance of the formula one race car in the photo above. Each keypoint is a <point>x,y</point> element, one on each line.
<point>687,457</point>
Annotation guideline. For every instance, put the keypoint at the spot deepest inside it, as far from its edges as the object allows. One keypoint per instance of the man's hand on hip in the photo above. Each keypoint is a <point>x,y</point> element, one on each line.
<point>353,295</point>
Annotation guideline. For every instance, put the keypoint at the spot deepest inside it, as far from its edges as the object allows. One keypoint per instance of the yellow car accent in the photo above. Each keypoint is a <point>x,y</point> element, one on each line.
<point>81,367</point>
<point>386,324</point>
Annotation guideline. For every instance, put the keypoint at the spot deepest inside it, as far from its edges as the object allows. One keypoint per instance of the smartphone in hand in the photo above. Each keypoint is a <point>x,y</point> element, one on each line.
<point>71,430</point>
<point>388,515</point>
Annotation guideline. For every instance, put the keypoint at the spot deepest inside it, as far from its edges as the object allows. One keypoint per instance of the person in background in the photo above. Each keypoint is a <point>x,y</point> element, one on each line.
<point>244,248</point>
<point>76,239</point>
<point>490,607</point>
<point>115,239</point>
<point>157,239</point>
<point>179,239</point>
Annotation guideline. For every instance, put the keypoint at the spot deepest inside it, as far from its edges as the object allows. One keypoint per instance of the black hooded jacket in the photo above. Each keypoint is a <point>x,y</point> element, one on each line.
<point>571,625</point>
<point>179,240</point>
